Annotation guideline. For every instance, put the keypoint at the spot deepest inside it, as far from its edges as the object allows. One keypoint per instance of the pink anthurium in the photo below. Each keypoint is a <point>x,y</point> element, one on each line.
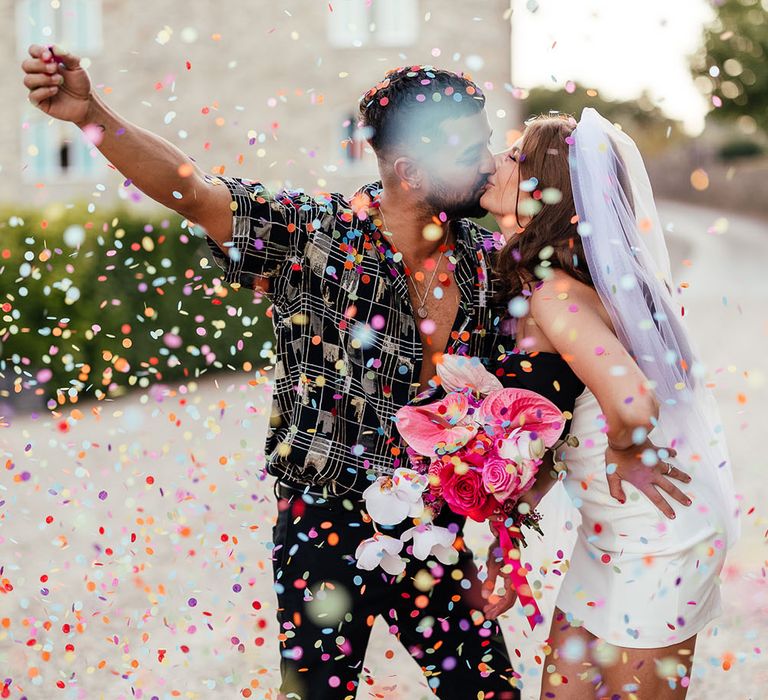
<point>457,373</point>
<point>520,408</point>
<point>439,427</point>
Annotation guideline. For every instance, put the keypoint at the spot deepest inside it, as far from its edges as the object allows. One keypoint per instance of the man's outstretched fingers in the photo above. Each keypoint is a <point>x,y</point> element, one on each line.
<point>70,61</point>
<point>38,80</point>
<point>36,65</point>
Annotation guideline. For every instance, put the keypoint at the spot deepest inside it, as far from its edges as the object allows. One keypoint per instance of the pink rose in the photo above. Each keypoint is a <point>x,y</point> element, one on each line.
<point>478,450</point>
<point>501,478</point>
<point>438,472</point>
<point>466,495</point>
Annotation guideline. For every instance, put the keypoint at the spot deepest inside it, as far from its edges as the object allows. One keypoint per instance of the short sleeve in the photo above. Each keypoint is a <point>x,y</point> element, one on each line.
<point>267,230</point>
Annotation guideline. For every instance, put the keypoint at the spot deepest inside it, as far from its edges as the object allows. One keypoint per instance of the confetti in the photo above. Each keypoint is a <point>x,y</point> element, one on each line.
<point>136,504</point>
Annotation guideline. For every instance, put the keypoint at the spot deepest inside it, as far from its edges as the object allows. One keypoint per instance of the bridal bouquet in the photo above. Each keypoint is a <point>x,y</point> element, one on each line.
<point>476,451</point>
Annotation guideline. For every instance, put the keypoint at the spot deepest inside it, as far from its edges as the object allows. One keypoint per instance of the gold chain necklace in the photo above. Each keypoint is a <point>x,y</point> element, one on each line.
<point>421,310</point>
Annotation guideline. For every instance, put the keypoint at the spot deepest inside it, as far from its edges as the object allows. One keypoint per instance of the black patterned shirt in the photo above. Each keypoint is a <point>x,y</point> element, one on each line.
<point>348,348</point>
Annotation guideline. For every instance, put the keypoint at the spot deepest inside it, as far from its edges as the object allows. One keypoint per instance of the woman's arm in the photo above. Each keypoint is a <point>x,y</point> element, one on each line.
<point>496,605</point>
<point>571,317</point>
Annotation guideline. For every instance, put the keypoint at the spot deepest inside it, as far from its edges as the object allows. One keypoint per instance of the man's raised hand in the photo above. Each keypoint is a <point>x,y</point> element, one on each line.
<point>57,84</point>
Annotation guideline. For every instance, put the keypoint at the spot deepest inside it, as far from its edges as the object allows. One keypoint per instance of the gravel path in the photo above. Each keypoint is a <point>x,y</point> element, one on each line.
<point>133,537</point>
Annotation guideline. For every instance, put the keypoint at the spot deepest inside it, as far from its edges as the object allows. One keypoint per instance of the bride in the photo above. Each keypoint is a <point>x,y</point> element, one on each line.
<point>586,272</point>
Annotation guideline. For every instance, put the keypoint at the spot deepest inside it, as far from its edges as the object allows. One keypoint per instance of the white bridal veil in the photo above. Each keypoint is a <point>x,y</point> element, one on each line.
<point>629,263</point>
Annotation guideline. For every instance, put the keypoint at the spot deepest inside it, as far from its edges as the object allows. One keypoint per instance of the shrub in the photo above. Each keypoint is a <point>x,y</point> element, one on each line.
<point>92,305</point>
<point>741,148</point>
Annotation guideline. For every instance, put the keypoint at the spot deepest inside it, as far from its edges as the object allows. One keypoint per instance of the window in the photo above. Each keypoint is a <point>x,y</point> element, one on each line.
<point>373,22</point>
<point>57,152</point>
<point>352,156</point>
<point>54,151</point>
<point>75,24</point>
<point>352,142</point>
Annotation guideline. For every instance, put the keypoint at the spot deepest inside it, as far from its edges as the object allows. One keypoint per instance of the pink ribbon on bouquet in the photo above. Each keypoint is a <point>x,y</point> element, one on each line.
<point>517,577</point>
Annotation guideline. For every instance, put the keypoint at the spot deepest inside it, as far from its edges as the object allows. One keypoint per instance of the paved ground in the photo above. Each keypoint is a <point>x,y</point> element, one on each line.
<point>137,531</point>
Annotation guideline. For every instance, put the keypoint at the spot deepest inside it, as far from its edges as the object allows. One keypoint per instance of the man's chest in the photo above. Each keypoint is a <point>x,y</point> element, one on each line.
<point>347,291</point>
<point>354,293</point>
<point>438,318</point>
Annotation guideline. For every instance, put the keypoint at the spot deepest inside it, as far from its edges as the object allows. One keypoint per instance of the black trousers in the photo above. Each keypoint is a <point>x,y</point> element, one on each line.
<point>327,607</point>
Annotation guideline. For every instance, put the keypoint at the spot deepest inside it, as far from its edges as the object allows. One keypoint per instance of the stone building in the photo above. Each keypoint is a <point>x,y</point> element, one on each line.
<point>259,88</point>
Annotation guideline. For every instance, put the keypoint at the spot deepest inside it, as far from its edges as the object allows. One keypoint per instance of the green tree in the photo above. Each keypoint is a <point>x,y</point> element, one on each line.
<point>730,66</point>
<point>651,129</point>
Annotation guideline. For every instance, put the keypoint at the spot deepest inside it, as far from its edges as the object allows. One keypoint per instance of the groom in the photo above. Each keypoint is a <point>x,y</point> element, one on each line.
<point>367,293</point>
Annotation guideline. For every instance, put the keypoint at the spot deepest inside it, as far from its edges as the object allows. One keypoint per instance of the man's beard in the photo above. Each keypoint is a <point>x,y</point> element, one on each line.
<point>455,207</point>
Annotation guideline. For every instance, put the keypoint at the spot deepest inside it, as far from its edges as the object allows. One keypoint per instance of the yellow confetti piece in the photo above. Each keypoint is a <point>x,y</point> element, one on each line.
<point>699,180</point>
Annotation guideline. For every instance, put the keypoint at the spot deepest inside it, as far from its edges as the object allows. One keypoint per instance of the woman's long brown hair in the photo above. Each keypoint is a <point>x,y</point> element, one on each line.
<point>543,155</point>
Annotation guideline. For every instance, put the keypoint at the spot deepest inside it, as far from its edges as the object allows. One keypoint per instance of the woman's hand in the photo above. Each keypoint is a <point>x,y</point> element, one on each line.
<point>496,605</point>
<point>626,464</point>
<point>499,604</point>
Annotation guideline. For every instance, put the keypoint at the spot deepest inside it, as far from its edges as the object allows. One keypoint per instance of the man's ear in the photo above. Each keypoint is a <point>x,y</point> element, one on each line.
<point>408,172</point>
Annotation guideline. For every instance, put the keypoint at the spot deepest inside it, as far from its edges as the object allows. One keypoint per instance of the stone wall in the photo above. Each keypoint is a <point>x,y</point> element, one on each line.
<point>263,95</point>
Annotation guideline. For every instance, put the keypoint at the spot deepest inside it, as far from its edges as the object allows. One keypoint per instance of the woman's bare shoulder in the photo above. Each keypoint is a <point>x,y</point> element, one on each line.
<point>560,286</point>
<point>560,293</point>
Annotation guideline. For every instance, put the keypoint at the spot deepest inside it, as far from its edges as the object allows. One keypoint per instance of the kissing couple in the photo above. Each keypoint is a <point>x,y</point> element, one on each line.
<point>572,298</point>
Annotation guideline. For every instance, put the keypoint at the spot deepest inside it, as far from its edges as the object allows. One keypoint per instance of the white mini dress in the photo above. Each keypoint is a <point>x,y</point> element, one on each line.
<point>636,578</point>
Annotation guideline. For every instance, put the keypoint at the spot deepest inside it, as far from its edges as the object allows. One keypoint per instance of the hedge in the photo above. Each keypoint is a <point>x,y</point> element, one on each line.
<point>93,304</point>
<point>740,148</point>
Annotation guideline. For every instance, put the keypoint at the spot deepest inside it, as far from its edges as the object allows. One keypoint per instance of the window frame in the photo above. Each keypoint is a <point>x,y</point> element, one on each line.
<point>358,24</point>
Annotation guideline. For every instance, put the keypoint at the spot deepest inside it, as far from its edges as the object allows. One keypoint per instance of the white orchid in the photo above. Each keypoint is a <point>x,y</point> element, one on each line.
<point>390,500</point>
<point>432,540</point>
<point>518,447</point>
<point>380,550</point>
<point>457,373</point>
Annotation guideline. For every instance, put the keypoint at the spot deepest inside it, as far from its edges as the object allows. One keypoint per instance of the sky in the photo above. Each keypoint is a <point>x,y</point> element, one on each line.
<point>618,47</point>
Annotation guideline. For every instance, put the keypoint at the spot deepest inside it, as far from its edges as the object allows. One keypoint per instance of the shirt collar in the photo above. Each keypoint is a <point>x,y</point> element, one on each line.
<point>368,197</point>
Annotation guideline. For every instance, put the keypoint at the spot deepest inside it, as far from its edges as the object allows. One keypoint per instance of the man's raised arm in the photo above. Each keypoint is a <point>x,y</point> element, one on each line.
<point>61,88</point>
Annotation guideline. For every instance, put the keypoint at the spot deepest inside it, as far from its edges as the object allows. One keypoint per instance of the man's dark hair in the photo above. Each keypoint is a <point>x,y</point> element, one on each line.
<point>413,100</point>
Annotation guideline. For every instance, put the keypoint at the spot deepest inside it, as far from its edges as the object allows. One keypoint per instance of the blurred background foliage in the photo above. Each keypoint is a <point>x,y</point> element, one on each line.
<point>92,305</point>
<point>730,67</point>
<point>651,129</point>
